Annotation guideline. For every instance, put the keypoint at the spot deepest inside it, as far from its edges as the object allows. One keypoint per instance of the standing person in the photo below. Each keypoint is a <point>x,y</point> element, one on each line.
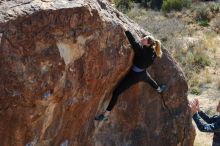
<point>212,124</point>
<point>146,50</point>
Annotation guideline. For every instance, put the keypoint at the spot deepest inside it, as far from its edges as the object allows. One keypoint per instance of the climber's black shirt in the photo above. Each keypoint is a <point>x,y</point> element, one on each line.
<point>144,56</point>
<point>213,124</point>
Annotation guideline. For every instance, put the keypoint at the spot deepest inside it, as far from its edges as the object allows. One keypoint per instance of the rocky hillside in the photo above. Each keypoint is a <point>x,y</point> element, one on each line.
<point>60,61</point>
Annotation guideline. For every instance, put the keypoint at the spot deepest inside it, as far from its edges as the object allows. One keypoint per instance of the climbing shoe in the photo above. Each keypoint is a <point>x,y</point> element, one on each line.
<point>162,88</point>
<point>101,117</point>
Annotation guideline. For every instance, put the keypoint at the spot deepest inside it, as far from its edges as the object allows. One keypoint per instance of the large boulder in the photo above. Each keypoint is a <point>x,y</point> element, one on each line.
<point>60,62</point>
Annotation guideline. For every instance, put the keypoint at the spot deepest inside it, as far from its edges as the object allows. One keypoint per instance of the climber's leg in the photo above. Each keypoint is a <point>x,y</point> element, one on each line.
<point>130,79</point>
<point>147,78</point>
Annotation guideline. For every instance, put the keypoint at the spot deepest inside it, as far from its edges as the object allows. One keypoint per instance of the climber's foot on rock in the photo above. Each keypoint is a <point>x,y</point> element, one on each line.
<point>101,117</point>
<point>162,88</point>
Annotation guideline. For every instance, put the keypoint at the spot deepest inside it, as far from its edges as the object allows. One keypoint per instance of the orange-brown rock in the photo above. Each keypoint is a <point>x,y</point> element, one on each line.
<point>60,61</point>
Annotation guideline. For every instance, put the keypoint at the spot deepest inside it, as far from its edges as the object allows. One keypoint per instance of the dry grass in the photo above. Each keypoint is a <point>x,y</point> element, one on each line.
<point>194,60</point>
<point>198,60</point>
<point>202,139</point>
<point>195,80</point>
<point>216,24</point>
<point>204,77</point>
<point>210,43</point>
<point>218,83</point>
<point>208,76</point>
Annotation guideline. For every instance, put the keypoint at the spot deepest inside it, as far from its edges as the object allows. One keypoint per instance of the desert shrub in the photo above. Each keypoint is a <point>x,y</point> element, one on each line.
<point>216,24</point>
<point>205,13</point>
<point>214,8</point>
<point>178,5</point>
<point>192,61</point>
<point>123,5</point>
<point>204,23</point>
<point>196,91</point>
<point>194,81</point>
<point>137,13</point>
<point>201,60</point>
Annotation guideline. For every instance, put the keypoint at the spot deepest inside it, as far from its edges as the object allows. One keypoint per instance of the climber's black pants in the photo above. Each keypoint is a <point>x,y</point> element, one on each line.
<point>130,79</point>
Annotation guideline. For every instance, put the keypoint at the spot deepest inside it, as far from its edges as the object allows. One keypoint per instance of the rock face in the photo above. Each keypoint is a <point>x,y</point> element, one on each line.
<point>61,60</point>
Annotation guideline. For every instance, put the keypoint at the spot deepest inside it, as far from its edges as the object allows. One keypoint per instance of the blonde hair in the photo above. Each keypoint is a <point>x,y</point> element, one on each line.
<point>156,45</point>
<point>157,48</point>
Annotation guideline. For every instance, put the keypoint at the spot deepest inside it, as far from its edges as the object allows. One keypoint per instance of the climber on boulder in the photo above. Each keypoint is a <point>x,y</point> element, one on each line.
<point>146,50</point>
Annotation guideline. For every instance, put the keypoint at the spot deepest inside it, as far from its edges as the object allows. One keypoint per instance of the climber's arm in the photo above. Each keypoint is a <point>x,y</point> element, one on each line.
<point>206,118</point>
<point>135,45</point>
<point>214,127</point>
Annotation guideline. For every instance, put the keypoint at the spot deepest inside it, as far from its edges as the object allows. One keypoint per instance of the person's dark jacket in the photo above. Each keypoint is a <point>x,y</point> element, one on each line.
<point>212,124</point>
<point>144,56</point>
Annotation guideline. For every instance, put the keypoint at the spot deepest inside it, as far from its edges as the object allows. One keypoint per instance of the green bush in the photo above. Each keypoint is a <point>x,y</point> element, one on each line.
<point>204,23</point>
<point>123,5</point>
<point>196,91</point>
<point>154,4</point>
<point>177,5</point>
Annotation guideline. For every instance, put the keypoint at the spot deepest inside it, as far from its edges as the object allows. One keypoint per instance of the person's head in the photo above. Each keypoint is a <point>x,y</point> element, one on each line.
<point>150,41</point>
<point>218,107</point>
<point>147,41</point>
